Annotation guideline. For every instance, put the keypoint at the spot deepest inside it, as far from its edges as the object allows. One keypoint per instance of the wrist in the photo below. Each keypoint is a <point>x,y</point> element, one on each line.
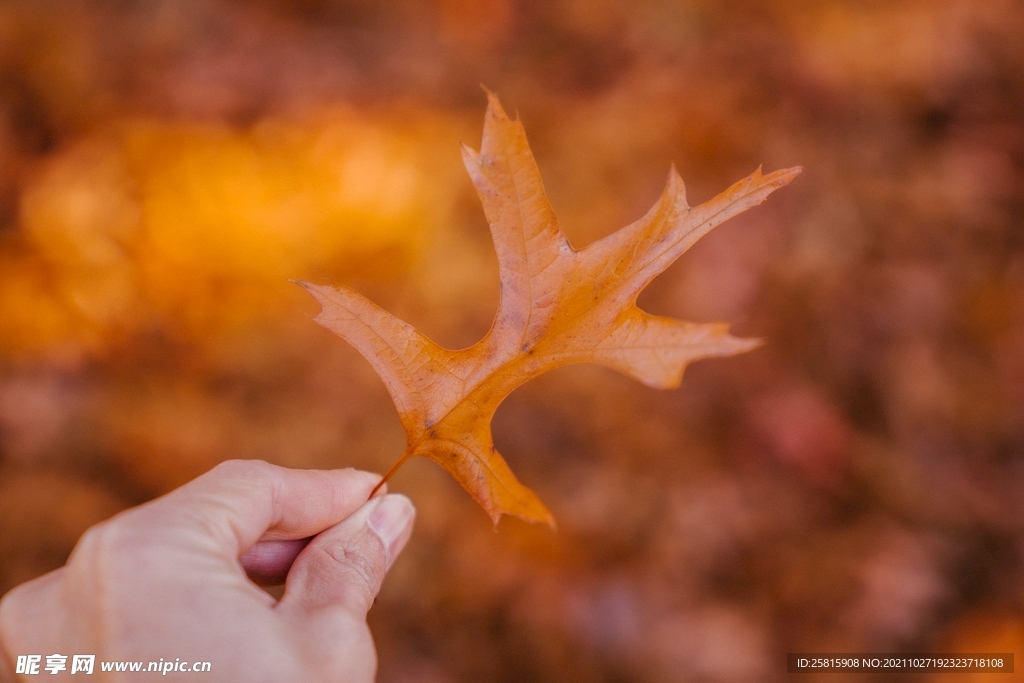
<point>6,664</point>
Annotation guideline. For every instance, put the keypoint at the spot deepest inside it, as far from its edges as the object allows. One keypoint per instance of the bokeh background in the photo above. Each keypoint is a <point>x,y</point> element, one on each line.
<point>857,483</point>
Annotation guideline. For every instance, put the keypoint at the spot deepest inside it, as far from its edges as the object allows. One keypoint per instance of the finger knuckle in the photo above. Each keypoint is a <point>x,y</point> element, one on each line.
<point>102,548</point>
<point>243,469</point>
<point>360,567</point>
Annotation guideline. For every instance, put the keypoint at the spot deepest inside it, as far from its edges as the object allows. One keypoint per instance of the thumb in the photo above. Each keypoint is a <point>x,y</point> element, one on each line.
<point>342,568</point>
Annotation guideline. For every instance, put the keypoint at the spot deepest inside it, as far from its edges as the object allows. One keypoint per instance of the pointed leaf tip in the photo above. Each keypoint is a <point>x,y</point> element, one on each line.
<point>785,176</point>
<point>494,107</point>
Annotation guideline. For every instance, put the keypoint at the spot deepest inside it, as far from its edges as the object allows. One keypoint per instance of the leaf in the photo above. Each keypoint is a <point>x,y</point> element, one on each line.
<point>558,306</point>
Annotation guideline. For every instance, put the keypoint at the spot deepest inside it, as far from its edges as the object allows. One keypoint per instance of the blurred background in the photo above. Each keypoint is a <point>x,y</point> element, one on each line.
<point>856,484</point>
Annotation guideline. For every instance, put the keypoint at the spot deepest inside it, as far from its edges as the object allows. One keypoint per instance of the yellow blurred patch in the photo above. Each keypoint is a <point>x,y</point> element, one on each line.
<point>197,228</point>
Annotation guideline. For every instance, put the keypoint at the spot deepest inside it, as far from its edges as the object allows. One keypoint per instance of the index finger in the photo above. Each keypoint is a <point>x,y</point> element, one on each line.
<point>241,501</point>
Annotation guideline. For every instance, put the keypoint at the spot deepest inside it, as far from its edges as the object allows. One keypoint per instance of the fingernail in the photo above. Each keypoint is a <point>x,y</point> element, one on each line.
<point>392,521</point>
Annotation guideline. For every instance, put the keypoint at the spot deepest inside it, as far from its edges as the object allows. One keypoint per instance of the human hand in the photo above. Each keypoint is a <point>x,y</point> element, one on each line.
<point>171,579</point>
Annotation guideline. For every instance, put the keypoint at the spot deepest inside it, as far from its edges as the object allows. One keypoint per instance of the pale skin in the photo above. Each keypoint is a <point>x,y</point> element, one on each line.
<point>176,578</point>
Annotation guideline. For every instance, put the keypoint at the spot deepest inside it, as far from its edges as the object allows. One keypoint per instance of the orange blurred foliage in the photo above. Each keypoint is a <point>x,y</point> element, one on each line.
<point>198,227</point>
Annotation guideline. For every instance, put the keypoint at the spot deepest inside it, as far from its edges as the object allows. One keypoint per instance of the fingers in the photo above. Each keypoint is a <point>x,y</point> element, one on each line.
<point>341,570</point>
<point>267,562</point>
<point>241,501</point>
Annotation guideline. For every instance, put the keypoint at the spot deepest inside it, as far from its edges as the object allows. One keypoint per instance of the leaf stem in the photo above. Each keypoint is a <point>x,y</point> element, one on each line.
<point>387,475</point>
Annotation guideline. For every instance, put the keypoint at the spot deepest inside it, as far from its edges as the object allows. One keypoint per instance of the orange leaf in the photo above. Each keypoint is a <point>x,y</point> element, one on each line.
<point>558,306</point>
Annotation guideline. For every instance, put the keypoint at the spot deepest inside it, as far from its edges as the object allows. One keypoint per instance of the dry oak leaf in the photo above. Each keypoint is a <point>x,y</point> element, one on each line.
<point>558,306</point>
